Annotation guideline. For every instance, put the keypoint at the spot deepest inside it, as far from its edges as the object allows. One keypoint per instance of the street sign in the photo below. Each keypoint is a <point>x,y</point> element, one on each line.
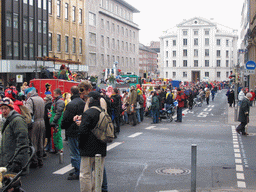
<point>250,65</point>
<point>248,72</point>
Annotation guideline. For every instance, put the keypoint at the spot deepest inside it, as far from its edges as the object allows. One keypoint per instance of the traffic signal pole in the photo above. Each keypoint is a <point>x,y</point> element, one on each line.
<point>236,94</point>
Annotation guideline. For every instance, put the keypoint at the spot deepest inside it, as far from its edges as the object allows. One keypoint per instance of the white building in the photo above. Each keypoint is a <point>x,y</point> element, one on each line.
<point>198,49</point>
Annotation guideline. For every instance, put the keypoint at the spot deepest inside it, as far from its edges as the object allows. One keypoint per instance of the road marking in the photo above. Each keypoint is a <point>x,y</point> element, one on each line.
<point>203,114</point>
<point>151,127</point>
<point>239,168</point>
<point>170,191</point>
<point>240,176</point>
<point>208,109</point>
<point>238,155</point>
<point>241,184</point>
<point>135,135</point>
<point>238,161</point>
<point>113,145</point>
<point>237,150</point>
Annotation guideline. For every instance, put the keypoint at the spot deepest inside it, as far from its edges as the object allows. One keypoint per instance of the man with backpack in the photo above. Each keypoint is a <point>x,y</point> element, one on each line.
<point>37,131</point>
<point>89,145</point>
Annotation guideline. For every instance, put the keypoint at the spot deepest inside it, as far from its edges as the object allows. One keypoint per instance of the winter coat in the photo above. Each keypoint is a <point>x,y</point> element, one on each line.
<point>36,107</point>
<point>241,96</point>
<point>132,100</point>
<point>155,103</point>
<point>244,110</point>
<point>169,99</point>
<point>57,108</point>
<point>47,109</point>
<point>89,145</point>
<point>16,105</point>
<point>231,97</point>
<point>73,108</point>
<point>14,136</point>
<point>116,104</point>
<point>181,98</point>
<point>207,94</point>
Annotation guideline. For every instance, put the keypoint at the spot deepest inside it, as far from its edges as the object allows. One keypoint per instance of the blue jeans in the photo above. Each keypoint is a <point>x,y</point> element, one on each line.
<point>155,115</point>
<point>179,113</point>
<point>126,120</point>
<point>104,186</point>
<point>138,115</point>
<point>74,153</point>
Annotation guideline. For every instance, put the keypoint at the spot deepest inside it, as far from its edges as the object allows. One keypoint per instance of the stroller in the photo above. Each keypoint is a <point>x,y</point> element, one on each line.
<point>167,112</point>
<point>12,181</point>
<point>198,101</point>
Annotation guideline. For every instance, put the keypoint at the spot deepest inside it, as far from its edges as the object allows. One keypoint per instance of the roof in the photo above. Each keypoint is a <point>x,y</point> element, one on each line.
<point>124,3</point>
<point>144,48</point>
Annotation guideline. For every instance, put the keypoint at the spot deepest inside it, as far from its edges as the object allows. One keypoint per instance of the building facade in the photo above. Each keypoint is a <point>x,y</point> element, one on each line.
<point>147,62</point>
<point>198,49</point>
<point>111,36</point>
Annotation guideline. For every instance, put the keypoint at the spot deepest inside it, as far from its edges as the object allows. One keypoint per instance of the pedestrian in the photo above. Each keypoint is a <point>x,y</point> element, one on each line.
<point>73,108</point>
<point>56,118</point>
<point>132,101</point>
<point>14,136</point>
<point>36,104</point>
<point>155,108</point>
<point>241,96</point>
<point>124,106</point>
<point>116,107</point>
<point>169,99</point>
<point>89,145</point>
<point>213,94</point>
<point>231,98</point>
<point>142,109</point>
<point>139,104</point>
<point>207,95</point>
<point>47,110</point>
<point>180,98</point>
<point>253,97</point>
<point>244,113</point>
<point>190,100</point>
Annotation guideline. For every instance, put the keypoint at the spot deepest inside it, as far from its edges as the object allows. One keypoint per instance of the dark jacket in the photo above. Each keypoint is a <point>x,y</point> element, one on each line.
<point>47,109</point>
<point>73,108</point>
<point>58,108</point>
<point>116,104</point>
<point>231,97</point>
<point>181,98</point>
<point>155,103</point>
<point>244,110</point>
<point>89,145</point>
<point>169,99</point>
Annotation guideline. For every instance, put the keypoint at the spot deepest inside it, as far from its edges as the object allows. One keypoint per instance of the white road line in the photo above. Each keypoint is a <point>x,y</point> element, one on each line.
<point>151,127</point>
<point>239,168</point>
<point>241,184</point>
<point>238,161</point>
<point>135,135</point>
<point>237,155</point>
<point>113,145</point>
<point>240,176</point>
<point>170,191</point>
<point>237,150</point>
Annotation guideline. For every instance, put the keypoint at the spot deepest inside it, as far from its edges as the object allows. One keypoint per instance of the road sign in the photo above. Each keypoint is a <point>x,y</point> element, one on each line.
<point>250,65</point>
<point>248,72</point>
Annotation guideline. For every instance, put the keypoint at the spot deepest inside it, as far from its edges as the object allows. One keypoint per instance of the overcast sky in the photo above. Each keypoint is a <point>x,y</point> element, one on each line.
<point>157,16</point>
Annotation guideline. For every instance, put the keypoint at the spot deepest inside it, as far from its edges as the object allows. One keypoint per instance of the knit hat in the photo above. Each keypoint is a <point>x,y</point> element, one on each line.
<point>48,97</point>
<point>95,94</point>
<point>7,102</point>
<point>29,90</point>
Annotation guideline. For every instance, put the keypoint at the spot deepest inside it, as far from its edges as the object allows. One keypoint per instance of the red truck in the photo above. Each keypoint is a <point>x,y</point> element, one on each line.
<point>47,86</point>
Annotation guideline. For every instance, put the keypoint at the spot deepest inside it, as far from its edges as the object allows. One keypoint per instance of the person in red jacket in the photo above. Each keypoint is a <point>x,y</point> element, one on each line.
<point>12,94</point>
<point>180,98</point>
<point>253,96</point>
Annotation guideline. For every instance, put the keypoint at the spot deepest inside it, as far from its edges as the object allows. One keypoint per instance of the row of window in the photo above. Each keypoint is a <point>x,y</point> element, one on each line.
<point>117,29</point>
<point>206,42</point>
<point>114,8</point>
<point>28,50</point>
<point>185,53</point>
<point>185,63</point>
<point>28,23</point>
<point>196,31</point>
<point>185,74</point>
<point>108,60</point>
<point>40,3</point>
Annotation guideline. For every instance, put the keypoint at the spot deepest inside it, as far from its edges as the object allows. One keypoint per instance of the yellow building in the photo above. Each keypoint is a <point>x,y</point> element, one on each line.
<point>67,29</point>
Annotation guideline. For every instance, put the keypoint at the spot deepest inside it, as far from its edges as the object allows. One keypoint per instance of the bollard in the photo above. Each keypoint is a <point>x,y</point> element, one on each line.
<point>193,167</point>
<point>97,173</point>
<point>61,157</point>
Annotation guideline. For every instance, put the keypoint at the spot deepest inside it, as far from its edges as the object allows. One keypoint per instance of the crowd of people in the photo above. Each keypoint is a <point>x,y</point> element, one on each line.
<point>73,113</point>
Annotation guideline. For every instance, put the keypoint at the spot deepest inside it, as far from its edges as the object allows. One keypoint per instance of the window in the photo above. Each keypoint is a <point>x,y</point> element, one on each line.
<point>122,45</point>
<point>185,52</point>
<point>31,2</point>
<point>122,30</point>
<point>39,26</point>
<point>227,74</point>
<point>126,46</point>
<point>66,11</point>
<point>50,41</point>
<point>166,63</point>
<point>102,59</point>
<point>118,45</point>
<point>92,19</point>
<point>174,74</point>
<point>195,32</point>
<point>39,3</point>
<point>116,11</point>
<point>195,52</point>
<point>227,54</point>
<point>218,53</point>
<point>166,54</point>
<point>92,59</point>
<point>113,43</point>
<point>134,35</point>
<point>185,33</point>
<point>25,23</point>
<point>39,51</point>
<point>108,27</point>
<point>74,45</point>
<point>58,8</point>
<point>66,43</point>
<point>31,24</point>
<point>108,60</point>
<point>25,1</point>
<point>185,74</point>
<point>44,27</point>
<point>50,6</point>
<point>74,13</point>
<point>227,43</point>
<point>101,3</point>
<point>218,74</point>
<point>44,4</point>
<point>102,41</point>
<point>8,19</point>
<point>195,63</point>
<point>166,75</point>
<point>218,63</point>
<point>44,50</point>
<point>174,53</point>
<point>206,63</point>
<point>9,48</point>
<point>58,43</point>
<point>206,32</point>
<point>102,23</point>
<point>118,30</point>
<point>206,74</point>
<point>185,42</point>
<point>207,42</point>
<point>206,52</point>
<point>25,50</point>
<point>15,21</point>
<point>174,63</point>
<point>16,49</point>
<point>107,4</point>
<point>113,27</point>
<point>80,46</point>
<point>31,50</point>
<point>173,42</point>
<point>108,43</point>
<point>218,42</point>
<point>185,63</point>
<point>134,48</point>
<point>92,38</point>
<point>80,16</point>
<point>196,41</point>
<point>166,43</point>
<point>227,63</point>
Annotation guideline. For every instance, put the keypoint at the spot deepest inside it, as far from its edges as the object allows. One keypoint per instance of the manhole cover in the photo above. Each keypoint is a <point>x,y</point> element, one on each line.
<point>172,171</point>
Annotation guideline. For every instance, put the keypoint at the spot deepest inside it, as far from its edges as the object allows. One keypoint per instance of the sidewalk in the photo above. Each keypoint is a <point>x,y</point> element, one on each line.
<point>216,190</point>
<point>231,116</point>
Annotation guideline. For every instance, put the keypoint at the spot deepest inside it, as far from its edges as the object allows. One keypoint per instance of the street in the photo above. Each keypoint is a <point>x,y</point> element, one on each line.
<point>157,157</point>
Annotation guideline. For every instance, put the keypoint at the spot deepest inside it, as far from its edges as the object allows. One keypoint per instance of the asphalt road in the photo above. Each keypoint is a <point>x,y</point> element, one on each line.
<point>150,158</point>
